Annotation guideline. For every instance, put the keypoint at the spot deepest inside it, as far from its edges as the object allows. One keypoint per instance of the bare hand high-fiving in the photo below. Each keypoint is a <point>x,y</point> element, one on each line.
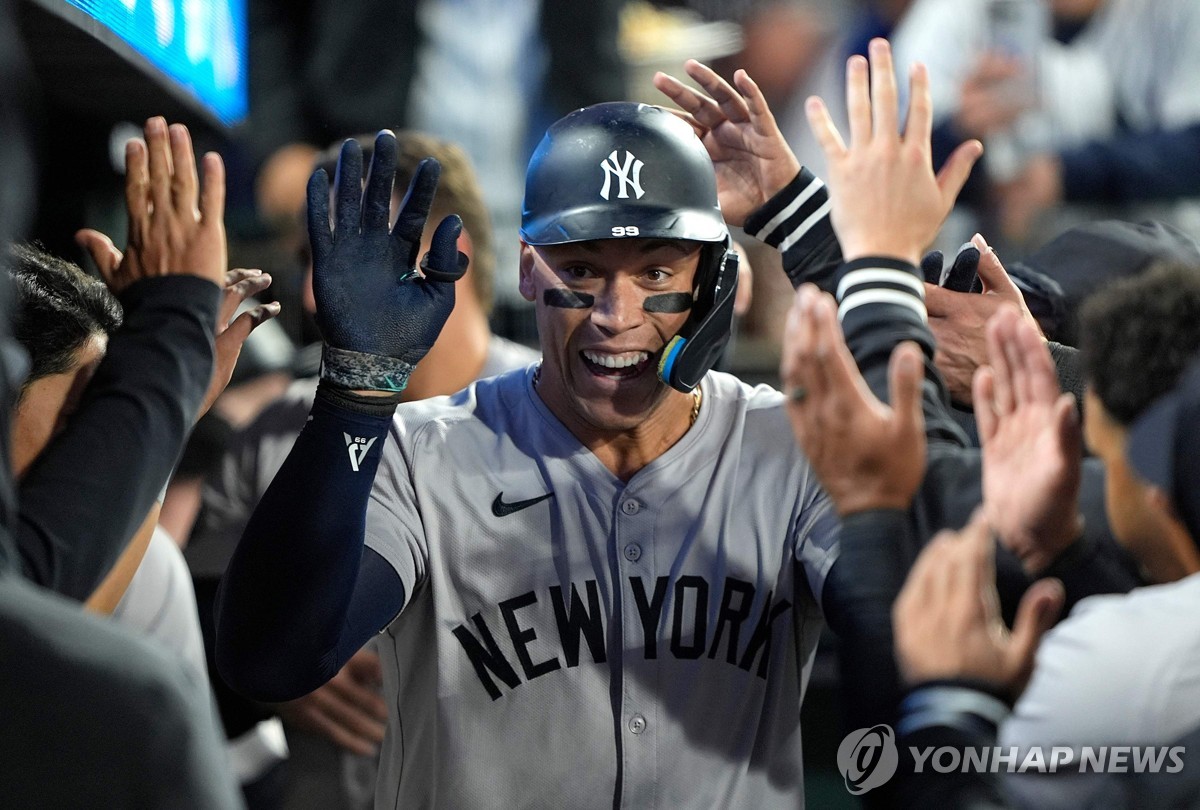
<point>176,224</point>
<point>1032,444</point>
<point>886,199</point>
<point>170,235</point>
<point>867,455</point>
<point>947,617</point>
<point>751,158</point>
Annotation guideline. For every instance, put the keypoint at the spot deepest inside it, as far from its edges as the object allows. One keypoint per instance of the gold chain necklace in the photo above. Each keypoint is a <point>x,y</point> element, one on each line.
<point>697,395</point>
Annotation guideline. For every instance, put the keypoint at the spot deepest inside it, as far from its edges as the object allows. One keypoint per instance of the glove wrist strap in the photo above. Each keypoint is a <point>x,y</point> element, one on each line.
<point>365,372</point>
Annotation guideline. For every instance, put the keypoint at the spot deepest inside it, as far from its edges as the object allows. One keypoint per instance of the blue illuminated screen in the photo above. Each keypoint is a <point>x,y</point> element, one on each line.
<point>201,44</point>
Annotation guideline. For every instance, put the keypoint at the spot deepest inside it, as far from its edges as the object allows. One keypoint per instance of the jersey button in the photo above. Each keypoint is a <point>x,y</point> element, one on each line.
<point>633,552</point>
<point>631,507</point>
<point>637,724</point>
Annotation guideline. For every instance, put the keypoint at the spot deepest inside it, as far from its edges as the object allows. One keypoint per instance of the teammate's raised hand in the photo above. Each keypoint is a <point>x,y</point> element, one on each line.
<point>231,333</point>
<point>176,225</point>
<point>378,316</point>
<point>947,617</point>
<point>866,454</point>
<point>1032,444</point>
<point>233,329</point>
<point>886,199</point>
<point>751,158</point>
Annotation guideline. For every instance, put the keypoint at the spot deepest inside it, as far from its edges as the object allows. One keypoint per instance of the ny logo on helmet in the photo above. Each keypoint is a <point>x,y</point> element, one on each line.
<point>614,168</point>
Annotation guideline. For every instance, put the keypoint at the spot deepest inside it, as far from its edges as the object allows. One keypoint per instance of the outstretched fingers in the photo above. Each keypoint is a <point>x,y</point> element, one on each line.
<point>705,112</point>
<point>756,102</point>
<point>906,371</point>
<point>1038,610</point>
<point>104,253</point>
<point>918,127</point>
<point>240,284</point>
<point>137,189</point>
<point>983,392</point>
<point>730,102</point>
<point>377,199</point>
<point>823,128</point>
<point>319,235</point>
<point>185,184</point>
<point>241,327</point>
<point>1003,399</point>
<point>884,105</point>
<point>348,188</point>
<point>957,168</point>
<point>212,195</point>
<point>858,101</point>
<point>1042,385</point>
<point>991,271</point>
<point>414,211</point>
<point>159,153</point>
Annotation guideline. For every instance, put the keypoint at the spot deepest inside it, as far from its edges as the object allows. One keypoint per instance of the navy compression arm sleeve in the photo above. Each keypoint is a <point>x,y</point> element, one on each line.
<point>300,596</point>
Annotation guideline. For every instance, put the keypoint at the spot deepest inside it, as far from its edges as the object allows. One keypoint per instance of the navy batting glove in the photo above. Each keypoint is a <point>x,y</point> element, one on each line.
<point>378,317</point>
<point>931,267</point>
<point>961,276</point>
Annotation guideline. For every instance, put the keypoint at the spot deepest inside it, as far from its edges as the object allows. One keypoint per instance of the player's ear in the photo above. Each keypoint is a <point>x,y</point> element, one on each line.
<point>526,283</point>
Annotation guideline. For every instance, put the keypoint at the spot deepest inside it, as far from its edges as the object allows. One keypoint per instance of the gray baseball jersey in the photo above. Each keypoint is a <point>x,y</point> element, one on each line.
<point>570,640</point>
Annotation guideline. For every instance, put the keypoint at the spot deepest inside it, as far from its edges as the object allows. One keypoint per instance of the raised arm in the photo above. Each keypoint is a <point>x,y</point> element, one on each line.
<point>240,284</point>
<point>301,594</point>
<point>93,485</point>
<point>760,183</point>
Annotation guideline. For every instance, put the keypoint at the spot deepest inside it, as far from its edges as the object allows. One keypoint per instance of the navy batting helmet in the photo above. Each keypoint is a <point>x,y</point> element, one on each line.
<point>620,170</point>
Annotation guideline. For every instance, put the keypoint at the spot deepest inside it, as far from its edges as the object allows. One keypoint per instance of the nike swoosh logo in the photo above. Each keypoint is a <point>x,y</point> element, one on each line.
<point>502,509</point>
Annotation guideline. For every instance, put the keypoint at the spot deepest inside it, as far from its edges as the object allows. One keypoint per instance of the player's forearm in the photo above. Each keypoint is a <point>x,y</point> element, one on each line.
<point>88,493</point>
<point>881,303</point>
<point>287,613</point>
<point>796,223</point>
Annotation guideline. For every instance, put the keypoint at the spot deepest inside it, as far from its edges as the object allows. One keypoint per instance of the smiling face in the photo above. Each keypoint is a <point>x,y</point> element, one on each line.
<point>600,361</point>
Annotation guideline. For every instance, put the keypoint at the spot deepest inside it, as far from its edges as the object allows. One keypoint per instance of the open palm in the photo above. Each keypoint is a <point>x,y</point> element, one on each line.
<point>1031,444</point>
<point>749,154</point>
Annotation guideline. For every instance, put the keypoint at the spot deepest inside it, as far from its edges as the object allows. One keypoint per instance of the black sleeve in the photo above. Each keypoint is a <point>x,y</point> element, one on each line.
<point>957,715</point>
<point>301,595</point>
<point>90,490</point>
<point>881,303</point>
<point>796,223</point>
<point>876,549</point>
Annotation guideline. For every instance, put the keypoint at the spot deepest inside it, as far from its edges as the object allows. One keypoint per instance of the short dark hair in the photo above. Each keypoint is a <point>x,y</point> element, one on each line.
<point>458,192</point>
<point>58,307</point>
<point>1139,334</point>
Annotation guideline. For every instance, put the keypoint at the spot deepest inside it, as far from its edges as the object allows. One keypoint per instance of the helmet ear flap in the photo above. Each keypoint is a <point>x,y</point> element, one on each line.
<point>702,339</point>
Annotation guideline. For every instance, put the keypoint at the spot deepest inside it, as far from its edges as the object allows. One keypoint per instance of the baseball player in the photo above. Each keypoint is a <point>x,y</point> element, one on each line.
<point>597,580</point>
